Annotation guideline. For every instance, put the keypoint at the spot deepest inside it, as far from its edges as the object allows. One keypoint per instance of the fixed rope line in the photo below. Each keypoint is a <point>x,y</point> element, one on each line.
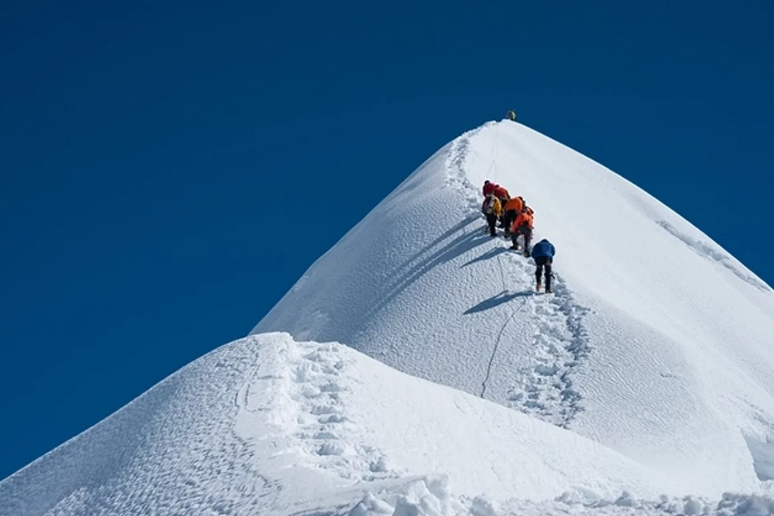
<point>495,152</point>
<point>496,148</point>
<point>500,333</point>
<point>497,345</point>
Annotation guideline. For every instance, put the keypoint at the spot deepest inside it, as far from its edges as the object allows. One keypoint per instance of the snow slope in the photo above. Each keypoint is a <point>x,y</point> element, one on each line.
<point>643,386</point>
<point>269,426</point>
<point>658,343</point>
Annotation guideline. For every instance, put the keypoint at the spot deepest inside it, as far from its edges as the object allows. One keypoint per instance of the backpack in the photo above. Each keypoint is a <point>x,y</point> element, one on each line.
<point>497,206</point>
<point>488,207</point>
<point>492,205</point>
<point>514,204</point>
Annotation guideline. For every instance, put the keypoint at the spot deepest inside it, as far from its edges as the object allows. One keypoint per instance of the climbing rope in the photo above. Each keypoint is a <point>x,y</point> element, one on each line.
<point>502,329</point>
<point>497,345</point>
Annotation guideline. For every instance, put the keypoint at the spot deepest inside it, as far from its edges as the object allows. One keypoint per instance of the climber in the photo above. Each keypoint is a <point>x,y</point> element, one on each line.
<point>511,115</point>
<point>522,226</point>
<point>543,254</point>
<point>501,193</point>
<point>511,210</point>
<point>492,209</point>
<point>488,188</point>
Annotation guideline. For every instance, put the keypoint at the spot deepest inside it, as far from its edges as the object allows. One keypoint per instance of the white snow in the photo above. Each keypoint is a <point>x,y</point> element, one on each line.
<point>657,343</point>
<point>643,385</point>
<point>269,426</point>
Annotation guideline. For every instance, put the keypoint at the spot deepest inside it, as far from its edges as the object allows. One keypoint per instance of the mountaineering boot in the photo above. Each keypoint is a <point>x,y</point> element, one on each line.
<point>526,253</point>
<point>539,286</point>
<point>548,290</point>
<point>515,247</point>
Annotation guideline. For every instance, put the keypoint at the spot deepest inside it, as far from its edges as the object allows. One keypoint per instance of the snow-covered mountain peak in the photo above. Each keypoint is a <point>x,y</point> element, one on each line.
<point>657,342</point>
<point>642,385</point>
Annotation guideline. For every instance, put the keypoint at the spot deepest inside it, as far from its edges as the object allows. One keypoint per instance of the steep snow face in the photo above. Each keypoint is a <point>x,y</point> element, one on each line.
<point>656,343</point>
<point>648,371</point>
<point>269,426</point>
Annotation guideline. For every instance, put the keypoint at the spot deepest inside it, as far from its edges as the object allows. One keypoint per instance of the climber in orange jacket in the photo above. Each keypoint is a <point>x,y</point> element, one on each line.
<point>523,225</point>
<point>511,210</point>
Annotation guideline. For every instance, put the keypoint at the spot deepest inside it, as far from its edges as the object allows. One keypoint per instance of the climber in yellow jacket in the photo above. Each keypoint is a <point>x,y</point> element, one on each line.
<point>492,209</point>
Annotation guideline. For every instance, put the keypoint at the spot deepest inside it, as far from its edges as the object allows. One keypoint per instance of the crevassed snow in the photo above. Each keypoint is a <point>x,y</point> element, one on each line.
<point>270,426</point>
<point>657,343</point>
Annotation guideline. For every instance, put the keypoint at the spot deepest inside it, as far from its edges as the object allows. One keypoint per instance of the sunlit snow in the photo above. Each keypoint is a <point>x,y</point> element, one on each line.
<point>643,385</point>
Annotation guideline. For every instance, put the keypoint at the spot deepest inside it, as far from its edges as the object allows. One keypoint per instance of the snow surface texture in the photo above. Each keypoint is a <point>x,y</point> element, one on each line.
<point>269,426</point>
<point>657,342</point>
<point>642,386</point>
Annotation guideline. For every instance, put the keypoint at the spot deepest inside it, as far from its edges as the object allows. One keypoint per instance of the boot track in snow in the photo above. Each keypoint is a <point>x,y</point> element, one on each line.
<point>542,388</point>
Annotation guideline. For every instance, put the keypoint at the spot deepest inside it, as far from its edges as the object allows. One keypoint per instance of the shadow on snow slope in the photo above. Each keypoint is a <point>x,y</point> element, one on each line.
<point>418,285</point>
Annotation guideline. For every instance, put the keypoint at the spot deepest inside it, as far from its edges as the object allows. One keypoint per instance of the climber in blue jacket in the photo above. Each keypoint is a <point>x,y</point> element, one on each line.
<point>543,253</point>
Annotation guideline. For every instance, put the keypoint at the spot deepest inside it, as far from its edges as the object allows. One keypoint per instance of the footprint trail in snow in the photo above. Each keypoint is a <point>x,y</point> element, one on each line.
<point>543,387</point>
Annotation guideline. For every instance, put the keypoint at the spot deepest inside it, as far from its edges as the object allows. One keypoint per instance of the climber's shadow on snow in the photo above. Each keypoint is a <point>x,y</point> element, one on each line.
<point>495,301</point>
<point>492,253</point>
<point>432,256</point>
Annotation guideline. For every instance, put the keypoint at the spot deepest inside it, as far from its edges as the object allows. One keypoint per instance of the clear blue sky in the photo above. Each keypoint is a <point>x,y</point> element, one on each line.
<point>149,153</point>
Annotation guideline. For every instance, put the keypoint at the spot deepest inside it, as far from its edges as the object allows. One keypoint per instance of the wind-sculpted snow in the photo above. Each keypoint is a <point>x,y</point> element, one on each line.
<point>643,385</point>
<point>270,426</point>
<point>714,253</point>
<point>430,497</point>
<point>656,342</point>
